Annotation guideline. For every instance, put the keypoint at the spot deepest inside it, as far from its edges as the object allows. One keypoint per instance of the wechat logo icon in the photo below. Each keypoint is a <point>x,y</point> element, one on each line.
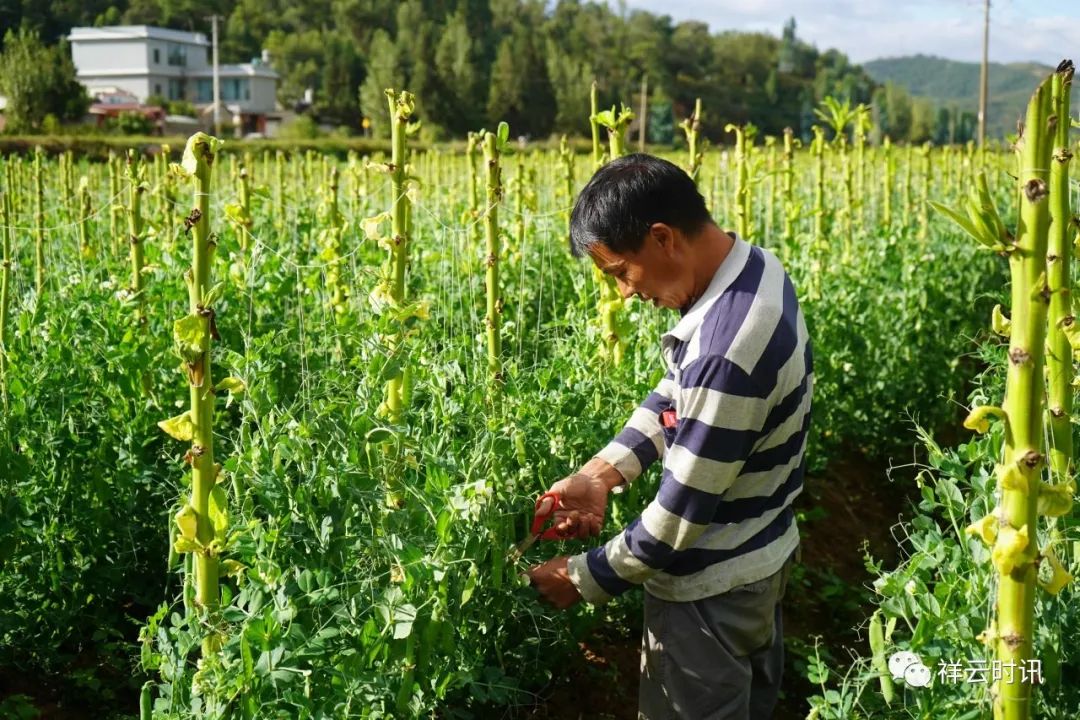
<point>906,665</point>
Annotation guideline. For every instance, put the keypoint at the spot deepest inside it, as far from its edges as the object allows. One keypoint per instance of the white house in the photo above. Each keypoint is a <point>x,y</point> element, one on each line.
<point>144,60</point>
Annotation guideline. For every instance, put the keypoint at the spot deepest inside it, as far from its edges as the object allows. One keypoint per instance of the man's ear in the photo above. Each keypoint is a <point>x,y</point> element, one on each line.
<point>664,235</point>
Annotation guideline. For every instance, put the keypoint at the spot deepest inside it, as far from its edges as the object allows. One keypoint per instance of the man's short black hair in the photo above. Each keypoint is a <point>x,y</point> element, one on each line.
<point>626,196</point>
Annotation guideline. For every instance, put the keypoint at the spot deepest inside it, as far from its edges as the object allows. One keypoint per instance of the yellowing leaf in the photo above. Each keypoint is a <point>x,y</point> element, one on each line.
<point>187,521</point>
<point>180,427</point>
<point>1058,578</point>
<point>1008,552</point>
<point>1056,500</point>
<point>1011,477</point>
<point>1000,324</point>
<point>235,568</point>
<point>184,545</point>
<point>988,636</point>
<point>198,146</point>
<point>371,225</point>
<point>380,298</point>
<point>985,529</point>
<point>189,334</point>
<point>1071,329</point>
<point>979,418</point>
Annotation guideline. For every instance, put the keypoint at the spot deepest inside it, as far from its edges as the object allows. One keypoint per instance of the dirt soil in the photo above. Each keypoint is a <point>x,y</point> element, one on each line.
<point>849,503</point>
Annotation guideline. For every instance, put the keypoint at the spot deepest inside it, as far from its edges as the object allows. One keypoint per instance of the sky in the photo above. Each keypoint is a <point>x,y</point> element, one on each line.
<point>1045,31</point>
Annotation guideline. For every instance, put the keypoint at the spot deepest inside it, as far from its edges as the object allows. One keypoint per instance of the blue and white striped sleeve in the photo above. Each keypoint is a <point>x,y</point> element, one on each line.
<point>722,413</point>
<point>641,441</point>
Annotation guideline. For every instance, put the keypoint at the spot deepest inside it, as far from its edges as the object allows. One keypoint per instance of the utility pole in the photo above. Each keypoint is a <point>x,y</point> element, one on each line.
<point>644,111</point>
<point>217,82</point>
<point>983,75</point>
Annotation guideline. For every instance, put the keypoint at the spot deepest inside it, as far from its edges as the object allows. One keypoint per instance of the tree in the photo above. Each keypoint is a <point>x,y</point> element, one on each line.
<point>38,81</point>
<point>570,83</point>
<point>661,127</point>
<point>944,127</point>
<point>296,56</point>
<point>340,77</point>
<point>504,97</point>
<point>788,48</point>
<point>454,98</point>
<point>922,120</point>
<point>520,89</point>
<point>892,110</point>
<point>383,72</point>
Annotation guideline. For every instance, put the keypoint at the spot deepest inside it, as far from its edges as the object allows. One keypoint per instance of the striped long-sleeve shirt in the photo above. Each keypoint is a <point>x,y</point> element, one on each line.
<point>740,380</point>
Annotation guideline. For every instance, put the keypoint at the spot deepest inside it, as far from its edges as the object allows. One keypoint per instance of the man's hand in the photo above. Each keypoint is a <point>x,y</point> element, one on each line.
<point>583,502</point>
<point>552,581</point>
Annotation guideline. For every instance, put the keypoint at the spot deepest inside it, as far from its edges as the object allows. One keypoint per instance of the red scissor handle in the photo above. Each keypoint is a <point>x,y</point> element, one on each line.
<point>540,518</point>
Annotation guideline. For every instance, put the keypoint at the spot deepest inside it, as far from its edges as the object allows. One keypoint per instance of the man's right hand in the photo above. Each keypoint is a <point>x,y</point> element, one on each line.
<point>583,497</point>
<point>583,501</point>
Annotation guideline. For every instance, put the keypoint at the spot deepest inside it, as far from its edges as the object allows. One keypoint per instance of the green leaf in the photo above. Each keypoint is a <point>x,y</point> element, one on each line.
<point>219,512</point>
<point>213,295</point>
<point>306,581</point>
<point>965,224</point>
<point>246,658</point>
<point>189,334</point>
<point>234,385</point>
<point>404,617</point>
<point>470,585</point>
<point>187,521</point>
<point>502,134</point>
<point>180,427</point>
<point>606,118</point>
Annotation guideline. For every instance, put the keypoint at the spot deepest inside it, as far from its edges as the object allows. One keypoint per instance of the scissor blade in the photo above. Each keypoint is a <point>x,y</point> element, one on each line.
<point>521,548</point>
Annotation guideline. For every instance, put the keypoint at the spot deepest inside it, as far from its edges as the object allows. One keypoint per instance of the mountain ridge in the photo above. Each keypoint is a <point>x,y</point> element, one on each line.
<point>956,83</point>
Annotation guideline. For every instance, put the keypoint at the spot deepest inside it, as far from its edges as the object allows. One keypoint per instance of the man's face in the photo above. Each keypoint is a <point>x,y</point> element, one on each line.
<point>658,272</point>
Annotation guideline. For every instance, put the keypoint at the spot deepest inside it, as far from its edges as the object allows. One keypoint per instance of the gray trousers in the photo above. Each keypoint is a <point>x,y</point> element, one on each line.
<point>718,658</point>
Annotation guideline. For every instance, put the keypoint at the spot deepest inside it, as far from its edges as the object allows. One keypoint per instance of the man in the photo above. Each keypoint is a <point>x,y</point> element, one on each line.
<point>714,548</point>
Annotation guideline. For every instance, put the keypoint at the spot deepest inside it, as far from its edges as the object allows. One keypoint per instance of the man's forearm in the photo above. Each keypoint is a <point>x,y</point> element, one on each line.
<point>603,470</point>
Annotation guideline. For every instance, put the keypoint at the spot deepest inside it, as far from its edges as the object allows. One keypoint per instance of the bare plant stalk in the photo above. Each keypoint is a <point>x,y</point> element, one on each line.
<point>493,175</point>
<point>136,231</point>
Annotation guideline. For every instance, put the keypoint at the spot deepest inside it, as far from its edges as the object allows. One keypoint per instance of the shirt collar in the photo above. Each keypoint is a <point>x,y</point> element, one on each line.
<point>725,274</point>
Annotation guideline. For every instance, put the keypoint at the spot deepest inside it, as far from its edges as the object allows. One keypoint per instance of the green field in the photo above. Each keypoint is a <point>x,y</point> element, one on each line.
<point>325,534</point>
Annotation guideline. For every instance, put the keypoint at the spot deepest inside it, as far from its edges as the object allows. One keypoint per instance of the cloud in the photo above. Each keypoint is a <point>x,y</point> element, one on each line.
<point>868,29</point>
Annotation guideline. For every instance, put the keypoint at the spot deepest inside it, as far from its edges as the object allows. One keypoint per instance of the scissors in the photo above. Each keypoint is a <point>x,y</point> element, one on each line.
<point>540,518</point>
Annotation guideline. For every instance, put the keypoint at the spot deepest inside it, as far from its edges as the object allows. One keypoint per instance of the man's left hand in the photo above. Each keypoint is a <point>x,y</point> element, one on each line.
<point>552,580</point>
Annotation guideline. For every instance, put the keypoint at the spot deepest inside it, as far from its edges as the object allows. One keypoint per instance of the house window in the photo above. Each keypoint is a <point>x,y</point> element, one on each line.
<point>232,90</point>
<point>177,54</point>
<point>176,89</point>
<point>204,91</point>
<point>157,89</point>
<point>235,89</point>
<point>157,56</point>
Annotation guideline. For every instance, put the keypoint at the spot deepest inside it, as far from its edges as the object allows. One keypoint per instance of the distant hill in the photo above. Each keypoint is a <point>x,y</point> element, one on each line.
<point>949,82</point>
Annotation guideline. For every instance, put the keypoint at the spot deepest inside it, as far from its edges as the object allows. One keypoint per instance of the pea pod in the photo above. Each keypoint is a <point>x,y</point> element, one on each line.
<point>877,647</point>
<point>146,711</point>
